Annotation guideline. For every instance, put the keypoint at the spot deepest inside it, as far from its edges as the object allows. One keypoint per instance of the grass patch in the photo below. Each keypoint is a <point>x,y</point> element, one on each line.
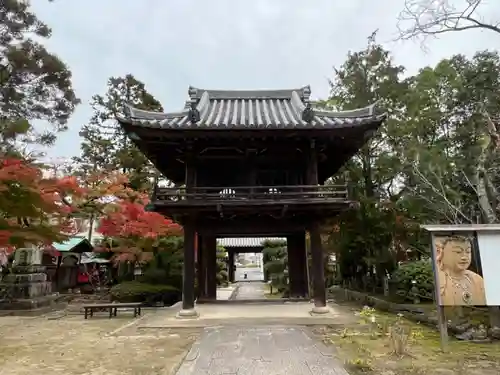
<point>272,292</point>
<point>369,347</point>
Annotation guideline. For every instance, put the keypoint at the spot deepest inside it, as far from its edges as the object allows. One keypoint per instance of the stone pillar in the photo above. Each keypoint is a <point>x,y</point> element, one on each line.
<point>210,247</point>
<point>318,271</point>
<point>27,288</point>
<point>297,265</point>
<point>230,266</point>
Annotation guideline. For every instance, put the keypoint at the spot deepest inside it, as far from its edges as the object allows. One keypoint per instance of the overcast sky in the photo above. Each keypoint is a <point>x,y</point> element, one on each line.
<point>226,44</point>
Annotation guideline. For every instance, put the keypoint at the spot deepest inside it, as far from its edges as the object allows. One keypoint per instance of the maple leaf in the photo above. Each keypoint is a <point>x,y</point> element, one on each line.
<point>33,209</point>
<point>135,230</point>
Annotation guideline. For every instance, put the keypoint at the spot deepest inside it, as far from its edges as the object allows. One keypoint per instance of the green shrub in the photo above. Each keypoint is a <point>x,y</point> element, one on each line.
<point>420,271</point>
<point>155,276</point>
<point>135,291</point>
<point>222,277</point>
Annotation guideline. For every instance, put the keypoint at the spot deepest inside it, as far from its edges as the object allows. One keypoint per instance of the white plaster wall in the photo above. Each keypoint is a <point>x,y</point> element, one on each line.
<point>489,252</point>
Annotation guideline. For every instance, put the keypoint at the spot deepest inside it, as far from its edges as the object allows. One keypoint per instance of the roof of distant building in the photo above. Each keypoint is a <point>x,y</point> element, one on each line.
<point>74,244</point>
<point>246,242</point>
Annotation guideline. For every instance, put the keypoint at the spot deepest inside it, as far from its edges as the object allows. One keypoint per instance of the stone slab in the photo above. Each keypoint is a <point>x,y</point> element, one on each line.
<point>298,313</point>
<point>260,351</point>
<point>224,294</point>
<point>251,290</point>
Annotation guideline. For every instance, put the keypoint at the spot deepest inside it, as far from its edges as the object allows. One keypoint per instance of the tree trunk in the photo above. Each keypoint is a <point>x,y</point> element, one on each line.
<point>480,180</point>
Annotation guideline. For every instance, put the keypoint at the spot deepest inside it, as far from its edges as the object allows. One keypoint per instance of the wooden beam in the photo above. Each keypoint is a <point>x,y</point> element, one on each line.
<point>256,227</point>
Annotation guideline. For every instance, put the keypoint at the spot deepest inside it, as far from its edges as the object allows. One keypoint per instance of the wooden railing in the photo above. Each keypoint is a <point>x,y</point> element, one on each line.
<point>246,193</point>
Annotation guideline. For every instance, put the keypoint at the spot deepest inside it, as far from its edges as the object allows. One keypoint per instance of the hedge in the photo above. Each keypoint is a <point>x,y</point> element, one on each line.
<point>135,291</point>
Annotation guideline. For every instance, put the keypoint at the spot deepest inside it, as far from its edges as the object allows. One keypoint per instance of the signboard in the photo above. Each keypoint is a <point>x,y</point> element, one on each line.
<point>466,260</point>
<point>459,272</point>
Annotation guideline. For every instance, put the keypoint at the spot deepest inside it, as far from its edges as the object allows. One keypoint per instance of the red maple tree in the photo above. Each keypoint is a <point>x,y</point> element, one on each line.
<point>33,208</point>
<point>101,189</point>
<point>133,230</point>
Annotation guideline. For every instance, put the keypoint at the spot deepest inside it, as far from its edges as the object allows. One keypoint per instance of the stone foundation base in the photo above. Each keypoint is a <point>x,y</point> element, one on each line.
<point>29,303</point>
<point>187,314</point>
<point>320,310</point>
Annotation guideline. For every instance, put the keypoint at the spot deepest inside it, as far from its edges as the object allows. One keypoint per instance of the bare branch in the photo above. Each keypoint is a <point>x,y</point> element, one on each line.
<point>441,193</point>
<point>420,19</point>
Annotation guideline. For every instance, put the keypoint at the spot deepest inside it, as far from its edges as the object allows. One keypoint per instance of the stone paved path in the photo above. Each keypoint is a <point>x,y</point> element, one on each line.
<point>251,290</point>
<point>259,351</point>
<point>270,350</point>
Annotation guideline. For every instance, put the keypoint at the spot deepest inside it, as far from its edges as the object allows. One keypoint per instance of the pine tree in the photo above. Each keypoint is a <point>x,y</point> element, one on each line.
<point>104,145</point>
<point>34,84</point>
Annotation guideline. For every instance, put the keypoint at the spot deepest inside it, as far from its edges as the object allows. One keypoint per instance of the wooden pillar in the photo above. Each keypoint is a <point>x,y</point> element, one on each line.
<point>210,246</point>
<point>317,258</point>
<point>302,261</point>
<point>189,266</point>
<point>312,164</point>
<point>202,270</point>
<point>297,265</point>
<point>230,266</point>
<point>318,270</point>
<point>188,271</point>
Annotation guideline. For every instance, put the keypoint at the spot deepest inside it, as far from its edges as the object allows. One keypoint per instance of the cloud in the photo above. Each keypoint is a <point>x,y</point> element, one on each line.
<point>221,44</point>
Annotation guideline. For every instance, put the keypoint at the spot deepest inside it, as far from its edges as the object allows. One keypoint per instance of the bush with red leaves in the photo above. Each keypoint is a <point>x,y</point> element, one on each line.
<point>134,231</point>
<point>33,208</point>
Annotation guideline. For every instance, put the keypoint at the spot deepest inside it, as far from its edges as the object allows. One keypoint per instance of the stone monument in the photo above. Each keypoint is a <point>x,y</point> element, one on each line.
<point>26,287</point>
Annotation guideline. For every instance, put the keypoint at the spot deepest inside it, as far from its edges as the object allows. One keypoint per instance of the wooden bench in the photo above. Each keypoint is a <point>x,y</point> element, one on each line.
<point>112,308</point>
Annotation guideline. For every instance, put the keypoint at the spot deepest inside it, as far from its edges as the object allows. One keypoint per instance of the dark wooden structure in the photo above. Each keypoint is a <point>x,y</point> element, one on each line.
<point>250,163</point>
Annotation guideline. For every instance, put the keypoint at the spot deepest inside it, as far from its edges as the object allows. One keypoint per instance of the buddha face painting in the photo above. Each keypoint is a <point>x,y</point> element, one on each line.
<point>454,254</point>
<point>457,284</point>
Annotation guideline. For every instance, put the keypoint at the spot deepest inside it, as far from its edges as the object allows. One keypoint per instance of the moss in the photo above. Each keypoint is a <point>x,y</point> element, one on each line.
<point>357,342</point>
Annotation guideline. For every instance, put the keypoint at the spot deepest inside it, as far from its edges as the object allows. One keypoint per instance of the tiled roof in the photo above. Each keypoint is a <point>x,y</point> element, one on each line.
<point>246,242</point>
<point>218,109</point>
<point>71,244</point>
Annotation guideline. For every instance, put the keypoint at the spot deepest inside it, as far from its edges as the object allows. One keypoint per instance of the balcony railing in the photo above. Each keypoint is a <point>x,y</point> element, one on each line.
<point>252,193</point>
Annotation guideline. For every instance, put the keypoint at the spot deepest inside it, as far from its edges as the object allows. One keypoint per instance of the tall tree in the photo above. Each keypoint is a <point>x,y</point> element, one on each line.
<point>104,145</point>
<point>34,84</point>
<point>368,77</point>
<point>424,18</point>
<point>363,242</point>
<point>453,147</point>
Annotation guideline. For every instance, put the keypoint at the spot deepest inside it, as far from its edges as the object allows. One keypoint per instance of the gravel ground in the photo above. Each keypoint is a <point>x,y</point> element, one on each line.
<point>71,345</point>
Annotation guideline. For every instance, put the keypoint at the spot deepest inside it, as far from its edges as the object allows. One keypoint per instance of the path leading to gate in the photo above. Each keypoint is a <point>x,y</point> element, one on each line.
<point>251,290</point>
<point>270,350</point>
